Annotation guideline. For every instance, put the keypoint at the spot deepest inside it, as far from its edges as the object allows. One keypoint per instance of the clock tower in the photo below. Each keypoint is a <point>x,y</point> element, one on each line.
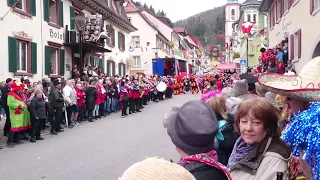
<point>232,13</point>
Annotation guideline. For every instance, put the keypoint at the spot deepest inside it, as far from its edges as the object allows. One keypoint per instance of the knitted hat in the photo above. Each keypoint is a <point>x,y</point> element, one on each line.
<point>240,88</point>
<point>232,104</point>
<point>156,169</point>
<point>194,127</point>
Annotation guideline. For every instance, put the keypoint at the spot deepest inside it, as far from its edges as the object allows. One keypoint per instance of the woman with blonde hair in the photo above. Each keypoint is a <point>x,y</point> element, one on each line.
<point>226,136</point>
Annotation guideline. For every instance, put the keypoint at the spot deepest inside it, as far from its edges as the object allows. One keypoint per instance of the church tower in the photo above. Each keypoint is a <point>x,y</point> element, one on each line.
<point>232,13</point>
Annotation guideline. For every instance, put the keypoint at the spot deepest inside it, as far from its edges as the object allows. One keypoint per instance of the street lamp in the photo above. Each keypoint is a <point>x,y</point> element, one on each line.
<point>80,23</point>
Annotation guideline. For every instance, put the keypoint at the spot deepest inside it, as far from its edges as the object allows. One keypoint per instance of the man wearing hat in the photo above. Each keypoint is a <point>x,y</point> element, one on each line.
<point>56,101</point>
<point>4,96</point>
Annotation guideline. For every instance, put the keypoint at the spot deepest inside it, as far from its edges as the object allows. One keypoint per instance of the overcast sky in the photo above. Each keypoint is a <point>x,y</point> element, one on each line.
<point>182,9</point>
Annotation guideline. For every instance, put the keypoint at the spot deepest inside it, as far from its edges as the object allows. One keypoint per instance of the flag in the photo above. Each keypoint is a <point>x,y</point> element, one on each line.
<point>246,27</point>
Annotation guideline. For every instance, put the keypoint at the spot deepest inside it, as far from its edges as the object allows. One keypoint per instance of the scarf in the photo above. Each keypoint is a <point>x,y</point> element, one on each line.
<point>210,158</point>
<point>239,152</point>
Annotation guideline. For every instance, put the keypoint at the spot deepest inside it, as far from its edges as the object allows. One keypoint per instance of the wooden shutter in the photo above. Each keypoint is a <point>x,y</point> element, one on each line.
<point>47,60</point>
<point>34,56</point>
<point>311,6</point>
<point>113,68</point>
<point>124,70</point>
<point>46,10</point>
<point>123,42</point>
<point>299,43</point>
<point>61,14</point>
<point>11,2</point>
<point>12,54</point>
<point>108,68</point>
<point>62,61</point>
<point>291,47</point>
<point>33,7</point>
<point>113,37</point>
<point>119,69</point>
<point>119,40</point>
<point>72,14</point>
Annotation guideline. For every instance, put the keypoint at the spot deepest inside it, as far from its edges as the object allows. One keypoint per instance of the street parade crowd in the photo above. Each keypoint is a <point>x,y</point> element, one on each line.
<point>260,125</point>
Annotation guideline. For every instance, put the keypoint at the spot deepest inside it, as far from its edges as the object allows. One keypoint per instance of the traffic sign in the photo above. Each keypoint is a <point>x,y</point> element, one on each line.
<point>243,62</point>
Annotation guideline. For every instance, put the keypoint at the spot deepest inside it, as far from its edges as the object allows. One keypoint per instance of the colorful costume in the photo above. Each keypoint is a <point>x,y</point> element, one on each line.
<point>18,109</point>
<point>194,87</point>
<point>176,86</point>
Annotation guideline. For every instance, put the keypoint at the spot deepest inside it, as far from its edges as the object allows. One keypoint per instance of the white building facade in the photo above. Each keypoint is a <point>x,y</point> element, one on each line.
<point>37,41</point>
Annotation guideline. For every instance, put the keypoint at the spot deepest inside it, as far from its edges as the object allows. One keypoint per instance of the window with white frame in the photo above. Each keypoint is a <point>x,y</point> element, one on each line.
<point>22,53</point>
<point>316,4</point>
<point>136,61</point>
<point>136,40</point>
<point>278,11</point>
<point>254,17</point>
<point>22,4</point>
<point>54,57</point>
<point>54,11</point>
<point>248,17</point>
<point>295,45</point>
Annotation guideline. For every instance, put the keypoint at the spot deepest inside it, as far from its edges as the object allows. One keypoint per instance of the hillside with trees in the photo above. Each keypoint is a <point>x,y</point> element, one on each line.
<point>207,26</point>
<point>149,9</point>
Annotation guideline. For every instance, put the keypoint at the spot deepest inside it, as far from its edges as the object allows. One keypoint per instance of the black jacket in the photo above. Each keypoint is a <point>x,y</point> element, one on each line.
<point>91,96</point>
<point>116,92</point>
<point>4,95</point>
<point>56,98</point>
<point>203,171</point>
<point>38,109</point>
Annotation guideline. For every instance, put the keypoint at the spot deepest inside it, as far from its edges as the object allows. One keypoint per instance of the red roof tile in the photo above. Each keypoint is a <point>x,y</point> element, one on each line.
<point>179,30</point>
<point>131,7</point>
<point>194,39</point>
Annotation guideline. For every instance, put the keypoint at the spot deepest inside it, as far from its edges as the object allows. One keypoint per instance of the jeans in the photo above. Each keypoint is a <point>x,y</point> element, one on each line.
<point>96,110</point>
<point>115,104</point>
<point>107,105</point>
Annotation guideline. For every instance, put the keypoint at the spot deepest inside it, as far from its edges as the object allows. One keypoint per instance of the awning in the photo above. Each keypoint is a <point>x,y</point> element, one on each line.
<point>227,66</point>
<point>86,46</point>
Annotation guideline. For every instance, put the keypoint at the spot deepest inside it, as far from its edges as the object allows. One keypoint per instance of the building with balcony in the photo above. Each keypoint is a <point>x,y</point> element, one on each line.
<point>43,40</point>
<point>248,47</point>
<point>291,25</point>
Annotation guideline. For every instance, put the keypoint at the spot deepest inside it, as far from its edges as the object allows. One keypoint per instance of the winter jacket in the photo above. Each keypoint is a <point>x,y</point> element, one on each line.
<point>56,99</point>
<point>116,91</point>
<point>263,162</point>
<point>69,96</point>
<point>81,96</point>
<point>38,109</point>
<point>91,96</point>
<point>100,95</point>
<point>203,171</point>
<point>4,95</point>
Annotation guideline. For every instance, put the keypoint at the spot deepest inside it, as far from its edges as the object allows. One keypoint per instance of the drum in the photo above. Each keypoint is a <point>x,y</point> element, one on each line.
<point>161,87</point>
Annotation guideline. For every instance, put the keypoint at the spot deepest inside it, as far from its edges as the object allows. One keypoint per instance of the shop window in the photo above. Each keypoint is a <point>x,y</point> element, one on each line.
<point>136,61</point>
<point>22,56</point>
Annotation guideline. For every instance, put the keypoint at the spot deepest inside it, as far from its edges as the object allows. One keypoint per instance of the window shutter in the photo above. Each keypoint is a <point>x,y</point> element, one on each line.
<point>62,62</point>
<point>46,10</point>
<point>119,40</point>
<point>113,37</point>
<point>61,14</point>
<point>124,42</point>
<point>33,7</point>
<point>281,7</point>
<point>72,14</point>
<point>34,56</point>
<point>10,2</point>
<point>47,60</point>
<point>119,69</point>
<point>12,54</point>
<point>311,6</point>
<point>299,43</point>
<point>108,68</point>
<point>291,47</point>
<point>124,69</point>
<point>113,68</point>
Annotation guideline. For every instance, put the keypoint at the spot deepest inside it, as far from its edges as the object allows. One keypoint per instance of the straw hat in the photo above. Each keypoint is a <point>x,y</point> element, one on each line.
<point>304,86</point>
<point>156,169</point>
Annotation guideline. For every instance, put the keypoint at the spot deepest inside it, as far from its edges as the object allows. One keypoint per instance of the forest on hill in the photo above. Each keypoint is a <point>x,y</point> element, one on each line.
<point>150,9</point>
<point>207,26</point>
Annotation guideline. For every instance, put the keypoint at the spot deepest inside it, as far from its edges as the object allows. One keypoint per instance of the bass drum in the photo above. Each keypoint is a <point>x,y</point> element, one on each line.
<point>162,87</point>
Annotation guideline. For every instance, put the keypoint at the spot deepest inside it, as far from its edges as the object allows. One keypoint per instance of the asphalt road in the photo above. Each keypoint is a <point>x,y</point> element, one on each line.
<point>94,151</point>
